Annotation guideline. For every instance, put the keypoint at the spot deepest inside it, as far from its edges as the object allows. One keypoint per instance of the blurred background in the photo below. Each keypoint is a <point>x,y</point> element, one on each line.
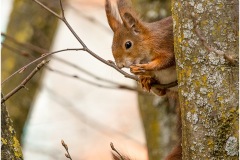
<point>76,97</point>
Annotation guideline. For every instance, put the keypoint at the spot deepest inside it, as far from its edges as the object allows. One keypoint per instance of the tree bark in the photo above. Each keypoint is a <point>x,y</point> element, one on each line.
<point>28,23</point>
<point>10,146</point>
<point>208,83</point>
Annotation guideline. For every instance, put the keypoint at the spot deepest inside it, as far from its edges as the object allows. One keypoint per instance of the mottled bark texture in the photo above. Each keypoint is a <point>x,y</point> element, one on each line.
<point>158,117</point>
<point>10,146</point>
<point>28,23</point>
<point>208,83</point>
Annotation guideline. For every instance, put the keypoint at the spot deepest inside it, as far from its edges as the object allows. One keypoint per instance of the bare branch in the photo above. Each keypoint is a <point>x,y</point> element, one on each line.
<point>66,148</point>
<point>64,20</point>
<point>25,45</point>
<point>117,155</point>
<point>63,14</point>
<point>24,82</point>
<point>38,59</point>
<point>22,53</point>
<point>93,75</point>
<point>115,150</point>
<point>118,86</point>
<point>164,86</point>
<point>49,10</point>
<point>104,129</point>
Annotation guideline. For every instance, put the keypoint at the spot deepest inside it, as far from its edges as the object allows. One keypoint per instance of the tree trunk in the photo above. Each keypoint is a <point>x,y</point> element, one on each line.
<point>29,23</point>
<point>10,147</point>
<point>208,83</point>
<point>158,117</point>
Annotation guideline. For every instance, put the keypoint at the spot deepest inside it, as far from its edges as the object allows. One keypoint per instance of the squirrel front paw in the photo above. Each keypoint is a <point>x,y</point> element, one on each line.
<point>139,69</point>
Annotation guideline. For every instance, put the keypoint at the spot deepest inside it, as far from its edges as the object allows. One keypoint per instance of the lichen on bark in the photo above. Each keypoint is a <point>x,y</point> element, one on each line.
<point>10,146</point>
<point>208,83</point>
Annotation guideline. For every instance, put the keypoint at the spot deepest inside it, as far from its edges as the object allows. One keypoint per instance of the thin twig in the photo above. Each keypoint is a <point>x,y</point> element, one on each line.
<point>164,86</point>
<point>119,86</point>
<point>63,14</point>
<point>25,45</point>
<point>64,20</point>
<point>115,150</point>
<point>38,59</point>
<point>93,75</point>
<point>24,82</point>
<point>21,52</point>
<point>96,125</point>
<point>66,148</point>
<point>49,10</point>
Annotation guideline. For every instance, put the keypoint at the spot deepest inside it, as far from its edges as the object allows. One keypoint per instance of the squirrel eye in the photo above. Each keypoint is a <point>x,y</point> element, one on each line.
<point>128,44</point>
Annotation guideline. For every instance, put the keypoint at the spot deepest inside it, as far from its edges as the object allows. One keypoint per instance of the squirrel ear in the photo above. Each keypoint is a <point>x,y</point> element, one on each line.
<point>128,15</point>
<point>131,22</point>
<point>112,20</point>
<point>128,20</point>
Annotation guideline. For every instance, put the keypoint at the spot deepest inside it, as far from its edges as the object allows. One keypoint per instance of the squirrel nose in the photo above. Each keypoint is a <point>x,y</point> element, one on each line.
<point>120,65</point>
<point>128,63</point>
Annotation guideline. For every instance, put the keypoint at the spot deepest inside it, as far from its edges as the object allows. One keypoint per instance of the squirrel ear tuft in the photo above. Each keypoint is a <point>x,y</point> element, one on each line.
<point>128,15</point>
<point>111,16</point>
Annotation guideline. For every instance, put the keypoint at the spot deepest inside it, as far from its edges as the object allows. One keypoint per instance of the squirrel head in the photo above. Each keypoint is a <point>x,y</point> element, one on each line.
<point>131,35</point>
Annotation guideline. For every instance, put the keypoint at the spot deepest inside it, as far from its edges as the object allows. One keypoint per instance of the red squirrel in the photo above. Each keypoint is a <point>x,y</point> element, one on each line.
<point>146,48</point>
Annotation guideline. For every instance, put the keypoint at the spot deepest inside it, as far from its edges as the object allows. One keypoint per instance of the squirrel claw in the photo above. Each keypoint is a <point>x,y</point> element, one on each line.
<point>146,82</point>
